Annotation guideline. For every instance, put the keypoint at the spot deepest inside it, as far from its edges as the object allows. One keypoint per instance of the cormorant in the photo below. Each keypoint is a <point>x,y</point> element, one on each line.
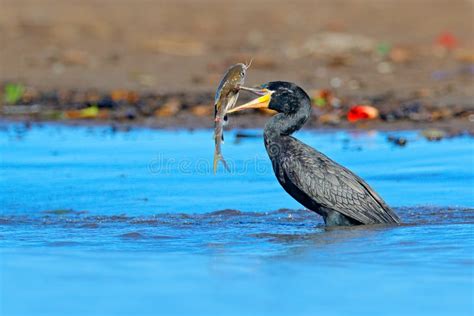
<point>337,194</point>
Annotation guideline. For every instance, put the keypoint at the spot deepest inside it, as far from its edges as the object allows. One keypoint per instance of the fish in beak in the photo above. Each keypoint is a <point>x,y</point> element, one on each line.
<point>261,102</point>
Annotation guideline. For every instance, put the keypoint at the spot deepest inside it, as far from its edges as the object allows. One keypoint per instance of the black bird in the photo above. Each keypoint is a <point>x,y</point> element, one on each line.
<point>320,184</point>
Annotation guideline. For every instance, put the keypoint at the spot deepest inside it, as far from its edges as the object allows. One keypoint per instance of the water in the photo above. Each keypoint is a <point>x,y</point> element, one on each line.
<point>96,222</point>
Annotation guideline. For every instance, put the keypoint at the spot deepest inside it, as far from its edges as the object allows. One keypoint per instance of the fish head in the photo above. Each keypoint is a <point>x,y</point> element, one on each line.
<point>231,82</point>
<point>236,74</point>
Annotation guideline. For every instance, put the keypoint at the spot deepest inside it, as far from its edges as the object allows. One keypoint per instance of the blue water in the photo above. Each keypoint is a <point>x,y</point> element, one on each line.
<point>98,222</point>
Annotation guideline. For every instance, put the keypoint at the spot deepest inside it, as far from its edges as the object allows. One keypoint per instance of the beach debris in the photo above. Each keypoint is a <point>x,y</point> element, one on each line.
<point>244,134</point>
<point>131,113</point>
<point>126,113</point>
<point>119,95</point>
<point>13,92</point>
<point>320,98</point>
<point>465,56</point>
<point>386,51</point>
<point>92,97</point>
<point>106,102</point>
<point>128,104</point>
<point>226,96</point>
<point>383,49</point>
<point>170,108</point>
<point>90,112</point>
<point>447,40</point>
<point>414,111</point>
<point>240,135</point>
<point>397,140</point>
<point>400,55</point>
<point>410,110</point>
<point>29,95</point>
<point>324,97</point>
<point>433,134</point>
<point>362,112</point>
<point>21,109</point>
<point>441,113</point>
<point>201,110</point>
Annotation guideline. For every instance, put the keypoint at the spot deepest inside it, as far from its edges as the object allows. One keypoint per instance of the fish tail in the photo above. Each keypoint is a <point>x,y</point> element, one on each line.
<point>217,158</point>
<point>224,163</point>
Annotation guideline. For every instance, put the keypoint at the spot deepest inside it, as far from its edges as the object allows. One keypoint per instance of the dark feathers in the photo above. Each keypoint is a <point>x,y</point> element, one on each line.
<point>323,186</point>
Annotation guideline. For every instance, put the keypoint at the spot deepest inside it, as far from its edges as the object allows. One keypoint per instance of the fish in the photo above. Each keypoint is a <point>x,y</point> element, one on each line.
<point>226,96</point>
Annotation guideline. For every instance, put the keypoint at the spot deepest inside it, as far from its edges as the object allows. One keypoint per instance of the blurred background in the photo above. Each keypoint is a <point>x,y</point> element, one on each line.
<point>356,51</point>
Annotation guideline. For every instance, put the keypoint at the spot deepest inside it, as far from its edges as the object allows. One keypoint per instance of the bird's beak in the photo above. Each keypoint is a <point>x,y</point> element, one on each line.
<point>260,102</point>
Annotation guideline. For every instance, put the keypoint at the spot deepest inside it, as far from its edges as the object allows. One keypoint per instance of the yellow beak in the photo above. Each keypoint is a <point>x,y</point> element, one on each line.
<point>260,102</point>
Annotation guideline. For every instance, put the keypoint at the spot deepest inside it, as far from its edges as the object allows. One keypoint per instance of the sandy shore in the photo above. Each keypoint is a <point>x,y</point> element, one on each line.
<point>412,61</point>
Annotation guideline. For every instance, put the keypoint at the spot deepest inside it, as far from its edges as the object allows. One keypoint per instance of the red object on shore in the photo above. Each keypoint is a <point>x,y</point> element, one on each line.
<point>447,40</point>
<point>362,112</point>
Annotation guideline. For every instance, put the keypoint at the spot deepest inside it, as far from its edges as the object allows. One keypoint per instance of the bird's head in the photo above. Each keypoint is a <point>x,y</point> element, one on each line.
<point>283,97</point>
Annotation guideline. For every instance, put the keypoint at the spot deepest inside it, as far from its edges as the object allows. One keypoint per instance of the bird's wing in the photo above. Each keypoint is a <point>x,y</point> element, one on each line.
<point>333,186</point>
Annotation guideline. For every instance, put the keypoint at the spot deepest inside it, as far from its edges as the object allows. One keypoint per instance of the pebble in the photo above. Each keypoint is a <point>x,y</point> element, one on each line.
<point>202,110</point>
<point>399,141</point>
<point>170,108</point>
<point>433,134</point>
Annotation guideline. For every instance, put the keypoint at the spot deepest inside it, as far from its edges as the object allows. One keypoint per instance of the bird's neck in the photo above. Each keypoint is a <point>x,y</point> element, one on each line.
<point>283,125</point>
